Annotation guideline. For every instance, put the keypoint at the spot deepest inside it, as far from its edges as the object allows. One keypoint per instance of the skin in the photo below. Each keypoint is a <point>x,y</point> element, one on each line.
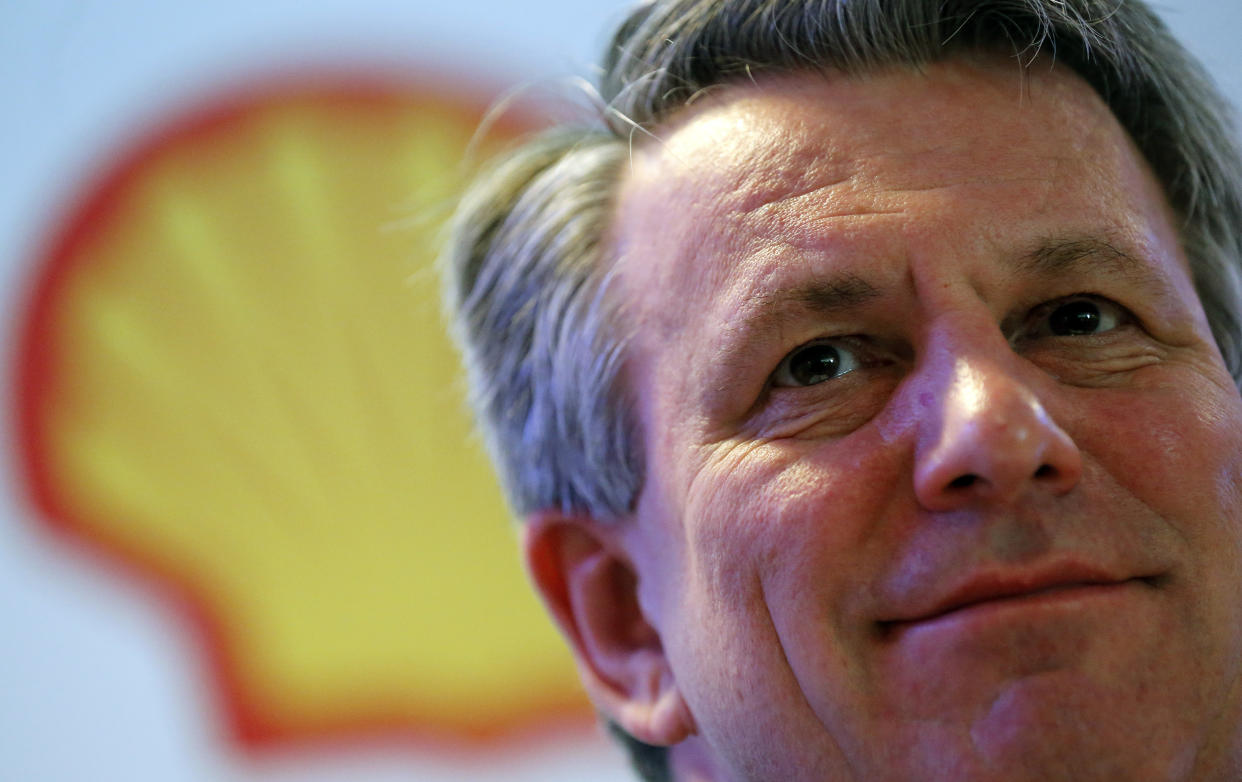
<point>776,606</point>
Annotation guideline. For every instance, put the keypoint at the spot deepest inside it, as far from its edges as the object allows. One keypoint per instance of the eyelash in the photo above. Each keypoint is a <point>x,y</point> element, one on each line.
<point>1037,322</point>
<point>854,347</point>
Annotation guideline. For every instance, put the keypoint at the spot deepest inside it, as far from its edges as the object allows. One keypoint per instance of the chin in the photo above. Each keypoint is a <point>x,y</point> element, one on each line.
<point>1050,728</point>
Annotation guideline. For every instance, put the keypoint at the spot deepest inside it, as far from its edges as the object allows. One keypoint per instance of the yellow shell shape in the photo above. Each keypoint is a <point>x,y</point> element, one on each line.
<point>234,378</point>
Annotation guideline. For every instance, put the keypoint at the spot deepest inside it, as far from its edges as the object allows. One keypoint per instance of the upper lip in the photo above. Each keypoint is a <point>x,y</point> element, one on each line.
<point>988,585</point>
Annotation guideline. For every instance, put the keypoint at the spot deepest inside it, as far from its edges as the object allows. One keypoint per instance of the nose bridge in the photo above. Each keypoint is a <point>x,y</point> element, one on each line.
<point>984,435</point>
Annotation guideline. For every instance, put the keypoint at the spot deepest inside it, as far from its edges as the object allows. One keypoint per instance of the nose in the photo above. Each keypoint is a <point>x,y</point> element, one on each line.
<point>988,440</point>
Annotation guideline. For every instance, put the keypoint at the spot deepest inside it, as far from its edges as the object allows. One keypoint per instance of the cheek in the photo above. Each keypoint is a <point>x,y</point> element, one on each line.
<point>791,516</point>
<point>782,544</point>
<point>1178,450</point>
<point>776,544</point>
<point>1179,453</point>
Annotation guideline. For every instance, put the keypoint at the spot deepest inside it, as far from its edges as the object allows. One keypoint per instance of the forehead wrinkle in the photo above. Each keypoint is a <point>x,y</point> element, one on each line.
<point>788,191</point>
<point>759,161</point>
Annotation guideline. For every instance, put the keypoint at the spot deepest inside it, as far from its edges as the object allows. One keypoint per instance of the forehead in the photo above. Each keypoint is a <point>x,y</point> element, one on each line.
<point>818,163</point>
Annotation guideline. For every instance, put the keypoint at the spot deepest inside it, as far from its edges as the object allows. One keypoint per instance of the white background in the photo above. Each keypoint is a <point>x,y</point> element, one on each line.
<point>97,680</point>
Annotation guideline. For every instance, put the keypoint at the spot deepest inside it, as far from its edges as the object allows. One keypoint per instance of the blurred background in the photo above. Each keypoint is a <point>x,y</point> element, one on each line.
<point>244,532</point>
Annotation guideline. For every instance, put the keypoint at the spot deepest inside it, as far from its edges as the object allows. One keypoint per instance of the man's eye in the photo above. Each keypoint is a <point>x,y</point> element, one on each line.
<point>1082,316</point>
<point>1077,316</point>
<point>814,363</point>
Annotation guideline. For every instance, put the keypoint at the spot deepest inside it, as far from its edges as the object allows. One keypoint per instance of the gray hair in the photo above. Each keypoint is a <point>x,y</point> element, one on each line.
<point>529,261</point>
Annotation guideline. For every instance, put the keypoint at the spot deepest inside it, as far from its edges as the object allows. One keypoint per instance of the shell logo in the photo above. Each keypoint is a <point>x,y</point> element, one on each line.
<point>232,379</point>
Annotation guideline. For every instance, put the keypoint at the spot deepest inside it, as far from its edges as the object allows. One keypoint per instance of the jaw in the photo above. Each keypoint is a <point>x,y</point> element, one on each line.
<point>1055,726</point>
<point>1066,694</point>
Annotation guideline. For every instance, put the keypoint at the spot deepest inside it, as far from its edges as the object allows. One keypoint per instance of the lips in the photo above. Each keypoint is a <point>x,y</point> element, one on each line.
<point>997,587</point>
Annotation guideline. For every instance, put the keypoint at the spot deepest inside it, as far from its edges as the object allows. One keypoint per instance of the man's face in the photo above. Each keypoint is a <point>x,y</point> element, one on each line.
<point>942,457</point>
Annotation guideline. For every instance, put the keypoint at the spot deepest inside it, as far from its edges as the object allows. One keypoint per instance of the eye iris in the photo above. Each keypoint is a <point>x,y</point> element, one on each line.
<point>1076,317</point>
<point>815,364</point>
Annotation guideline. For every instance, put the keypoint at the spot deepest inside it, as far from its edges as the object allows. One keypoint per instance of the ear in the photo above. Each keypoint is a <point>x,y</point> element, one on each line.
<point>591,590</point>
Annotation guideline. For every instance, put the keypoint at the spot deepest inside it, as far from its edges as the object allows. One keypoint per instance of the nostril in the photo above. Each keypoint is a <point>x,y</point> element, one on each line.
<point>1045,471</point>
<point>963,481</point>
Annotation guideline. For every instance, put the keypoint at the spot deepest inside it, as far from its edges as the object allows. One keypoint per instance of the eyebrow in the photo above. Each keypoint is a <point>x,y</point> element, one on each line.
<point>839,292</point>
<point>1053,257</point>
<point>1060,257</point>
<point>764,314</point>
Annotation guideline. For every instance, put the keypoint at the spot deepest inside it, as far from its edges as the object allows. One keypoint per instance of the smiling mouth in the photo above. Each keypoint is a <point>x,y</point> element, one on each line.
<point>982,601</point>
<point>1062,590</point>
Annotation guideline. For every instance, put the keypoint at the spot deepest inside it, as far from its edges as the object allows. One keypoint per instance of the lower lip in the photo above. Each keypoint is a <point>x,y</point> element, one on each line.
<point>1030,607</point>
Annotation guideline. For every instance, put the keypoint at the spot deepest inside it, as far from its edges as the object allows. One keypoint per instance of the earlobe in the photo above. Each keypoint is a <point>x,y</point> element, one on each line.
<point>591,590</point>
